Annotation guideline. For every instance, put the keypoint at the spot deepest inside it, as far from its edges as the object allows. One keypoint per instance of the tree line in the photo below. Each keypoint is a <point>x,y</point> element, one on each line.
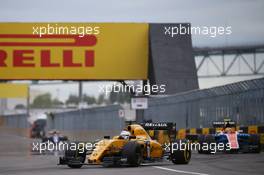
<point>46,100</point>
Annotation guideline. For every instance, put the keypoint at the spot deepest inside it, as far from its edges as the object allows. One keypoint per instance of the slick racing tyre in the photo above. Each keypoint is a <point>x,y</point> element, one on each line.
<point>133,152</point>
<point>179,156</point>
<point>208,139</point>
<point>254,141</point>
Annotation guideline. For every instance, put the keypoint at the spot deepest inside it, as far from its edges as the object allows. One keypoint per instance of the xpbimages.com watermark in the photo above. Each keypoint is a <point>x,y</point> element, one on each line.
<point>62,146</point>
<point>211,31</point>
<point>56,29</point>
<point>207,147</point>
<point>138,89</point>
<point>82,147</point>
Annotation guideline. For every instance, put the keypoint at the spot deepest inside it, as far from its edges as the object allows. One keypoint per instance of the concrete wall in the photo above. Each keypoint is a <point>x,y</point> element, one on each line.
<point>14,124</point>
<point>84,124</point>
<point>14,121</point>
<point>88,124</point>
<point>171,59</point>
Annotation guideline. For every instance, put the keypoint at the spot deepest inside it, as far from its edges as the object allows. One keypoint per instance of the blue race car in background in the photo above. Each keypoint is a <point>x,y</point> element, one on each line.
<point>234,141</point>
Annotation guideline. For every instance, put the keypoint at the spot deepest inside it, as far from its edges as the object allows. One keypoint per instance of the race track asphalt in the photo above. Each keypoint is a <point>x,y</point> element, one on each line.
<point>16,158</point>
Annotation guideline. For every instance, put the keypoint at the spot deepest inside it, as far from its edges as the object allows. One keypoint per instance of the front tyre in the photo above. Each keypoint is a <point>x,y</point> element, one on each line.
<point>134,153</point>
<point>75,159</point>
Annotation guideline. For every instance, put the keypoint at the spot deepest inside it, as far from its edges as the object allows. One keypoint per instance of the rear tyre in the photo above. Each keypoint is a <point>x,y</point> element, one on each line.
<point>64,138</point>
<point>208,139</point>
<point>134,153</point>
<point>44,139</point>
<point>254,140</point>
<point>201,140</point>
<point>181,156</point>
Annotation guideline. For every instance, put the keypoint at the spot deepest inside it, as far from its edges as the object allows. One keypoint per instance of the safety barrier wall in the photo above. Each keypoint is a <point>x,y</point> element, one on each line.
<point>14,121</point>
<point>84,124</point>
<point>14,124</point>
<point>88,124</point>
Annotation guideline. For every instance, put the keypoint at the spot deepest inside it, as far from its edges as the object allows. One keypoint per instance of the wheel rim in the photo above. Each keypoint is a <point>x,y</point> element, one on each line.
<point>186,155</point>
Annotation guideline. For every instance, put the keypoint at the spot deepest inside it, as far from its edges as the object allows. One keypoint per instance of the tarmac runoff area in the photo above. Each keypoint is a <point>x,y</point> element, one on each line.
<point>15,158</point>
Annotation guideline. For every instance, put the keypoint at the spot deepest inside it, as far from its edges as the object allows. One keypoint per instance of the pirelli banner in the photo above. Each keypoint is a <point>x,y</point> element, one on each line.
<point>73,51</point>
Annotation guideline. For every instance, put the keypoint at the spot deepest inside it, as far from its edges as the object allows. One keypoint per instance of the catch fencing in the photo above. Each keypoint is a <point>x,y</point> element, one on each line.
<point>242,102</point>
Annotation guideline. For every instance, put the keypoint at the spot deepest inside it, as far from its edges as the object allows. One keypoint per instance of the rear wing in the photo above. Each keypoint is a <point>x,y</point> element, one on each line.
<point>159,126</point>
<point>167,128</point>
<point>224,124</point>
<point>148,125</point>
<point>153,129</point>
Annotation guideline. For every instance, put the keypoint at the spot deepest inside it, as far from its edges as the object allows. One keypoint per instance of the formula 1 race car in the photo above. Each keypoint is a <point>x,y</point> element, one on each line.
<point>131,148</point>
<point>55,137</point>
<point>234,141</point>
<point>37,129</point>
<point>50,144</point>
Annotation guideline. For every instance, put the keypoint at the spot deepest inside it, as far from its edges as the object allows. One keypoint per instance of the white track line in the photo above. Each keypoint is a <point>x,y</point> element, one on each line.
<point>179,171</point>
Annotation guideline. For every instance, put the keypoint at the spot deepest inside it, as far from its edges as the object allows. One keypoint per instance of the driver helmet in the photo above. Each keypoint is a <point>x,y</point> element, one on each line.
<point>125,134</point>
